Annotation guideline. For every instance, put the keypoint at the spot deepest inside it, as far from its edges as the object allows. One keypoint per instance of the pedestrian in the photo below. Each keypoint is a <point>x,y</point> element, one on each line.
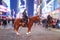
<point>44,22</point>
<point>13,17</point>
<point>4,22</point>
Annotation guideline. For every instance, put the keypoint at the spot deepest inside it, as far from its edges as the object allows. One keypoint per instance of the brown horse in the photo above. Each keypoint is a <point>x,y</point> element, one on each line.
<point>18,23</point>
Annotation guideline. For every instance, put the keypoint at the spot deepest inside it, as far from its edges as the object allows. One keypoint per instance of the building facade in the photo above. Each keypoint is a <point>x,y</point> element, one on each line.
<point>49,5</point>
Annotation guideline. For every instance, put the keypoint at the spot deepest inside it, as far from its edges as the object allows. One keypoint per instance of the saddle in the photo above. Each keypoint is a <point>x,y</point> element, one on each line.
<point>24,21</point>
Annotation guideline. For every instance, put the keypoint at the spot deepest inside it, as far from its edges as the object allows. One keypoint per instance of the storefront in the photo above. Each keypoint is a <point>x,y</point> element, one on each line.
<point>56,13</point>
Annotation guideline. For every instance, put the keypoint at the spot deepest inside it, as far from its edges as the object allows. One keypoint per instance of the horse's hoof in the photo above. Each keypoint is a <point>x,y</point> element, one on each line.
<point>17,33</point>
<point>27,33</point>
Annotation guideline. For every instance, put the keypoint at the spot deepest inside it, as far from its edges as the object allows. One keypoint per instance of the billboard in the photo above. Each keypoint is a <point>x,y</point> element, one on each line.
<point>5,7</point>
<point>21,5</point>
<point>6,3</point>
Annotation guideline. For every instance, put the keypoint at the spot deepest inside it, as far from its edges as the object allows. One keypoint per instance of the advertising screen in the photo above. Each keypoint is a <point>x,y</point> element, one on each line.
<point>5,7</point>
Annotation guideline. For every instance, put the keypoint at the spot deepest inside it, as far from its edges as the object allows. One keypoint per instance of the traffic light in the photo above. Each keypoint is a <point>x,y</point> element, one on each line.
<point>0,2</point>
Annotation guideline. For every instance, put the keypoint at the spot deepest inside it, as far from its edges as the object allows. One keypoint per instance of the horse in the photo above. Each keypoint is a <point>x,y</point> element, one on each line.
<point>31,20</point>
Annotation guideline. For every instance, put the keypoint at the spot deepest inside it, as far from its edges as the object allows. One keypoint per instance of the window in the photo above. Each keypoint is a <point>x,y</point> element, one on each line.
<point>0,2</point>
<point>48,1</point>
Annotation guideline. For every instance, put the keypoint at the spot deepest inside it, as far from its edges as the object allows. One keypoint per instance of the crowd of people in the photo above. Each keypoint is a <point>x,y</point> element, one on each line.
<point>24,17</point>
<point>51,22</point>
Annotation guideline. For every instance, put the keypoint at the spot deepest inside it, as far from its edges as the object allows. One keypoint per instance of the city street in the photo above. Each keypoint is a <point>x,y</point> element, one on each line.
<point>37,33</point>
<point>21,12</point>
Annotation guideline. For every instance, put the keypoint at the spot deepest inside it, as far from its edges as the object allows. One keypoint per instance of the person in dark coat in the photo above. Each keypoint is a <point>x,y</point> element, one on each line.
<point>25,17</point>
<point>58,23</point>
<point>4,22</point>
<point>25,14</point>
<point>49,20</point>
<point>44,21</point>
<point>49,17</point>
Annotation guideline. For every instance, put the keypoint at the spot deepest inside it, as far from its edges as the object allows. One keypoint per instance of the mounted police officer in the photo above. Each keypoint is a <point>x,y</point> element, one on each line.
<point>25,16</point>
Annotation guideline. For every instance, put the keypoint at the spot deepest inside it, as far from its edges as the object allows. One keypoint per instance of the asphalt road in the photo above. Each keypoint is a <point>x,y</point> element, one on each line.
<point>37,33</point>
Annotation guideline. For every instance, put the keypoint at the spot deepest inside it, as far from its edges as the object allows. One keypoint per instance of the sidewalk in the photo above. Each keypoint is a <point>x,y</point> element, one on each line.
<point>55,29</point>
<point>8,26</point>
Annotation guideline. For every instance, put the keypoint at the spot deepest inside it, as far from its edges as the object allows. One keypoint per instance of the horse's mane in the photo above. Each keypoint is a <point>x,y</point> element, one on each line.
<point>34,16</point>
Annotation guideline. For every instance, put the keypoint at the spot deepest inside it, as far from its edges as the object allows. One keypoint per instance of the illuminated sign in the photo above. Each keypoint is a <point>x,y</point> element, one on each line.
<point>6,3</point>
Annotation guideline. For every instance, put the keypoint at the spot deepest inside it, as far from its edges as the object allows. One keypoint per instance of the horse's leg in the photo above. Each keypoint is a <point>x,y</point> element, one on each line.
<point>29,28</point>
<point>16,27</point>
